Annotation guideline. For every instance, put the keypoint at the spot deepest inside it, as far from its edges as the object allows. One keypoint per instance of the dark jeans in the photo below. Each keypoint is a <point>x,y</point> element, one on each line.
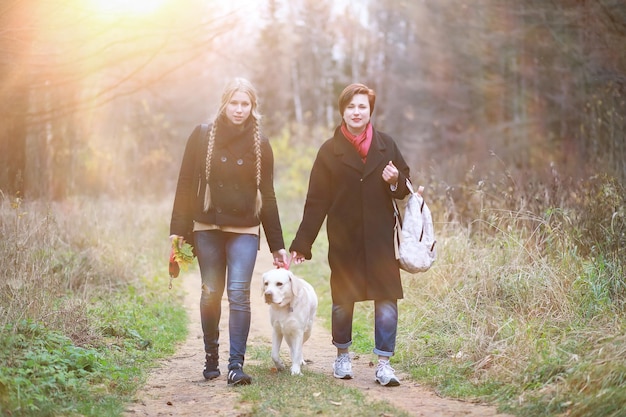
<point>226,261</point>
<point>385,326</point>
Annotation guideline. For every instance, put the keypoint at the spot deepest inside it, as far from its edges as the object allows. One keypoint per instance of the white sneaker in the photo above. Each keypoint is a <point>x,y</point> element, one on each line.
<point>385,374</point>
<point>342,368</point>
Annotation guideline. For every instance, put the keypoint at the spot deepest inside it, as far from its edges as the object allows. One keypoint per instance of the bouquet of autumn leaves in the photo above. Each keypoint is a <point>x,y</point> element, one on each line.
<point>181,256</point>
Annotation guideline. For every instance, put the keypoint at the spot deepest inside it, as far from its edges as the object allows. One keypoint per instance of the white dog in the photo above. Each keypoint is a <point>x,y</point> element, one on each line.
<point>293,305</point>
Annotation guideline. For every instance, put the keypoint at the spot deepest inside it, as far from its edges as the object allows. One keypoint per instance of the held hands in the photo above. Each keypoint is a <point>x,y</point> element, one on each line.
<point>281,260</point>
<point>297,258</point>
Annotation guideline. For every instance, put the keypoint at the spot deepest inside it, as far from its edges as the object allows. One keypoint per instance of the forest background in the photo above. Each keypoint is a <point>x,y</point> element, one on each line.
<point>511,113</point>
<point>100,101</point>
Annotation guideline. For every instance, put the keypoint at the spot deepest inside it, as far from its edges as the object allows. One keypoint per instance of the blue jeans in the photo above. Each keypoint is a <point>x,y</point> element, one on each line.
<point>385,326</point>
<point>226,260</point>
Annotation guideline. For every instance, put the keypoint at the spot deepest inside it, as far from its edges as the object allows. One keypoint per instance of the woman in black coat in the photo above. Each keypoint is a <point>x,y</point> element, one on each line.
<point>354,177</point>
<point>225,191</point>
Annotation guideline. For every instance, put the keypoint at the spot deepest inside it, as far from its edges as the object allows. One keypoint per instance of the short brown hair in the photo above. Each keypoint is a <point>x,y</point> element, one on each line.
<point>353,89</point>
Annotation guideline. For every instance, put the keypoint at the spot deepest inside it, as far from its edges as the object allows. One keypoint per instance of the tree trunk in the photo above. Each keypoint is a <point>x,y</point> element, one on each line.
<point>14,93</point>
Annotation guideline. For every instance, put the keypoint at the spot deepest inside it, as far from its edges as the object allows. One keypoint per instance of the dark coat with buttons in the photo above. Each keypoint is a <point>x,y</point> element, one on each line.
<point>356,203</point>
<point>232,182</point>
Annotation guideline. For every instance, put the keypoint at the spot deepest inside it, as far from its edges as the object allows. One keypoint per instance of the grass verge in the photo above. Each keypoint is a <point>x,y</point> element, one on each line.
<point>85,310</point>
<point>524,308</point>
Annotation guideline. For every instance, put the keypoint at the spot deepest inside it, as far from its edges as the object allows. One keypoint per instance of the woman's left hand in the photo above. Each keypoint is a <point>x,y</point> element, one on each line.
<point>390,174</point>
<point>280,258</point>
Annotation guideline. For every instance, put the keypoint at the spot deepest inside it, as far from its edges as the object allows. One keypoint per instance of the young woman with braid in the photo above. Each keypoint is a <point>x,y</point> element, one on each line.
<point>225,192</point>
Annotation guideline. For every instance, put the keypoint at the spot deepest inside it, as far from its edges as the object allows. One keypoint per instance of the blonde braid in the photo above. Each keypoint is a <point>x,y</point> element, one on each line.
<point>257,152</point>
<point>209,154</point>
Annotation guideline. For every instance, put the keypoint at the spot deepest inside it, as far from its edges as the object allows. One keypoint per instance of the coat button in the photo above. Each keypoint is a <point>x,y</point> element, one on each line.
<point>239,161</point>
<point>223,159</point>
<point>219,210</point>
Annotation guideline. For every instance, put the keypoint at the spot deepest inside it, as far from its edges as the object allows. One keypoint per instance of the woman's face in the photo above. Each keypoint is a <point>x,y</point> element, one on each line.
<point>238,108</point>
<point>357,114</point>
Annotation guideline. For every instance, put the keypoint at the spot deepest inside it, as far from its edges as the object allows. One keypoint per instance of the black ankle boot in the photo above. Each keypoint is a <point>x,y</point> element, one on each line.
<point>211,368</point>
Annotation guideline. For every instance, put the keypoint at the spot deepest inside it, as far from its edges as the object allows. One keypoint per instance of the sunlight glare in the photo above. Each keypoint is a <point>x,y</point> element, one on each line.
<point>126,7</point>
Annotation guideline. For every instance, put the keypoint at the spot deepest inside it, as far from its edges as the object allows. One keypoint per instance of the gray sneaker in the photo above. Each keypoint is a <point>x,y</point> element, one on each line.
<point>342,368</point>
<point>385,374</point>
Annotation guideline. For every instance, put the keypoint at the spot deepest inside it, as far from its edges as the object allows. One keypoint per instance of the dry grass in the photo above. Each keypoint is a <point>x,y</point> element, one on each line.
<point>525,302</point>
<point>57,256</point>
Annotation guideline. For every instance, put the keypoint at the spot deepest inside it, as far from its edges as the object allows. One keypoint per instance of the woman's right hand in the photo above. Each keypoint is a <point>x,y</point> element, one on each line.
<point>174,268</point>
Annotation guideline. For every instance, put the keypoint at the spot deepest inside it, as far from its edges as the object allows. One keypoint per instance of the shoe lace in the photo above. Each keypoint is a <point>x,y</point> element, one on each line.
<point>343,361</point>
<point>384,368</point>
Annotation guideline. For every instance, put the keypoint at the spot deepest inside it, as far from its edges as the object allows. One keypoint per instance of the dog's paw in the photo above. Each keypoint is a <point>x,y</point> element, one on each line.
<point>295,370</point>
<point>280,366</point>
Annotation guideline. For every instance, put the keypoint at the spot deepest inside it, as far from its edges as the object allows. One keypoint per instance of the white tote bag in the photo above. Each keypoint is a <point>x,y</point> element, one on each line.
<point>414,234</point>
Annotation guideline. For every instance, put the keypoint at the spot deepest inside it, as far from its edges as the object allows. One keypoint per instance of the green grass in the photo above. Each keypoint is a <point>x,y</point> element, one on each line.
<point>524,309</point>
<point>84,322</point>
<point>311,394</point>
<point>43,373</point>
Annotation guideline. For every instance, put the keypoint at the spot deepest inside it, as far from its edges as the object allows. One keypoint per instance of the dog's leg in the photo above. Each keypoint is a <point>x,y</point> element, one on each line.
<point>307,332</point>
<point>277,339</point>
<point>295,347</point>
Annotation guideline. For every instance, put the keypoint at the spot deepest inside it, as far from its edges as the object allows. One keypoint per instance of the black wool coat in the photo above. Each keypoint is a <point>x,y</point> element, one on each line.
<point>356,203</point>
<point>233,187</point>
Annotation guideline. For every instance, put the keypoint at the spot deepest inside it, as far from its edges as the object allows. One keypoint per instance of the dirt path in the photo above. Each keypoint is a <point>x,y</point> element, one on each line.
<point>177,387</point>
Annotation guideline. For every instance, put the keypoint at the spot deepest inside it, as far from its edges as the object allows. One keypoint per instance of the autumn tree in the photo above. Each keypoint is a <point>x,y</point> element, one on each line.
<point>76,75</point>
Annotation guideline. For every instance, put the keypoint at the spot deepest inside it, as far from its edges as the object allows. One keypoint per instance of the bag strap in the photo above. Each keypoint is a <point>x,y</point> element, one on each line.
<point>396,211</point>
<point>409,185</point>
<point>398,221</point>
<point>397,228</point>
<point>398,216</point>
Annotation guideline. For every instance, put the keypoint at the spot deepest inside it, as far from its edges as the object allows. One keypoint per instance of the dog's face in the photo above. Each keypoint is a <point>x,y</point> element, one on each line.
<point>278,287</point>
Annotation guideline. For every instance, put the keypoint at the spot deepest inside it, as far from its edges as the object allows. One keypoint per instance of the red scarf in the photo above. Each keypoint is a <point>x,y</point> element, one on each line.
<point>361,142</point>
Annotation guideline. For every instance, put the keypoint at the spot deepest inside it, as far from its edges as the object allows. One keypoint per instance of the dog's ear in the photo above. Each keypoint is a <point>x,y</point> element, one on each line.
<point>296,285</point>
